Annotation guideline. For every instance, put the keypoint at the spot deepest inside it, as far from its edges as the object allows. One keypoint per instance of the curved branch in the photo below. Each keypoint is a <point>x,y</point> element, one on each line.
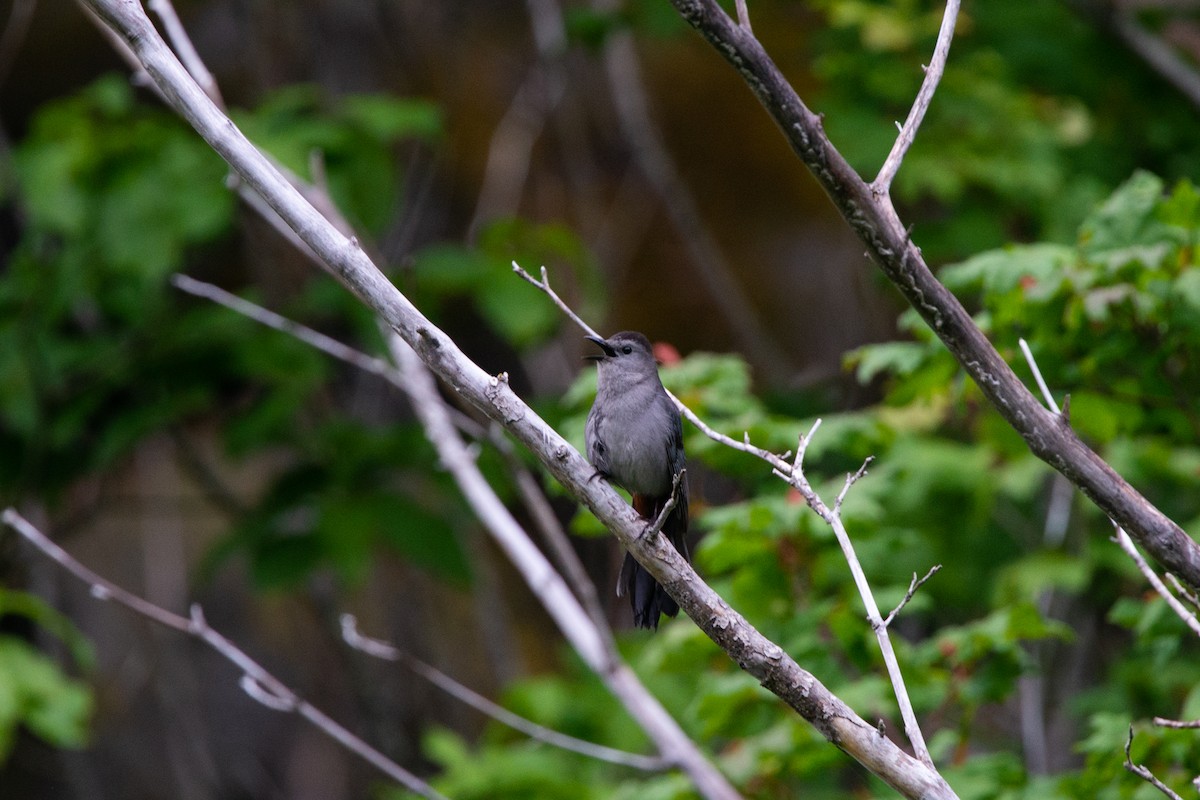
<point>1048,435</point>
<point>346,261</point>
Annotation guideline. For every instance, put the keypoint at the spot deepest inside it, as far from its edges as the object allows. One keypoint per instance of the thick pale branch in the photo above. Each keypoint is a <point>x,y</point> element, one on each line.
<point>492,395</point>
<point>1047,435</point>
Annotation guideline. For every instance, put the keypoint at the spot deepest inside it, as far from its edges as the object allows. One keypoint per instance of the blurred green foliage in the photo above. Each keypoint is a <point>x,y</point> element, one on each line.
<point>34,691</point>
<point>1020,145</point>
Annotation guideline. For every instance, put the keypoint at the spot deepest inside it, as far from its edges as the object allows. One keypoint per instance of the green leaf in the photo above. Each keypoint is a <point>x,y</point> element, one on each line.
<point>35,693</point>
<point>390,119</point>
<point>893,358</point>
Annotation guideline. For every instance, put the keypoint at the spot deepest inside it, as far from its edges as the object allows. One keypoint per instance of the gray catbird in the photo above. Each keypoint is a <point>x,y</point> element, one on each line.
<point>635,439</point>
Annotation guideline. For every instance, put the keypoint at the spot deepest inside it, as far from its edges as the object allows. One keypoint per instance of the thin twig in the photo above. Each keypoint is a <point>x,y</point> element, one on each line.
<point>264,316</point>
<point>1183,591</point>
<point>389,652</point>
<point>1163,722</point>
<point>259,684</point>
<point>1143,772</point>
<point>544,285</point>
<point>1126,544</point>
<point>795,477</point>
<point>933,73</point>
<point>657,525</point>
<point>186,51</point>
<point>743,14</point>
<point>912,589</point>
<point>1037,376</point>
<point>851,479</point>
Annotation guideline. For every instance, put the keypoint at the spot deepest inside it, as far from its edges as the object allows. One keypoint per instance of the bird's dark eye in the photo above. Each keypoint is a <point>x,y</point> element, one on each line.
<point>626,349</point>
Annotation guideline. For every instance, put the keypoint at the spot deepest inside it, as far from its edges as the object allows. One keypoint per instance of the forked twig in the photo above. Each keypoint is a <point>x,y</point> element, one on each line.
<point>912,589</point>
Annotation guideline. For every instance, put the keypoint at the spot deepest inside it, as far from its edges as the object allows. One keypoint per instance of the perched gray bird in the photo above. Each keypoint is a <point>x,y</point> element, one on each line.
<point>635,439</point>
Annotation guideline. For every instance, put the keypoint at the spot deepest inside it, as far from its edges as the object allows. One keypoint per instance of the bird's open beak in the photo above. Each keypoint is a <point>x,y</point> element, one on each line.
<point>609,350</point>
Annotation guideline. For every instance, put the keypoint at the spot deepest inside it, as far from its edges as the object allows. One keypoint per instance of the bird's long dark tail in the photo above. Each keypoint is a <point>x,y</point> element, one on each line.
<point>648,599</point>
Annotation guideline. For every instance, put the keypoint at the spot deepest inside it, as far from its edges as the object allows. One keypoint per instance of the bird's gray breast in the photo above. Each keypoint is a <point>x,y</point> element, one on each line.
<point>635,434</point>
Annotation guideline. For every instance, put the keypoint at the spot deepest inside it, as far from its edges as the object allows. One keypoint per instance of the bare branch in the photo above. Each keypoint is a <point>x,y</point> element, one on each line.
<point>1144,773</point>
<point>933,73</point>
<point>388,652</point>
<point>1183,592</point>
<point>326,344</point>
<point>796,477</point>
<point>912,589</point>
<point>851,479</point>
<point>743,14</point>
<point>256,681</point>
